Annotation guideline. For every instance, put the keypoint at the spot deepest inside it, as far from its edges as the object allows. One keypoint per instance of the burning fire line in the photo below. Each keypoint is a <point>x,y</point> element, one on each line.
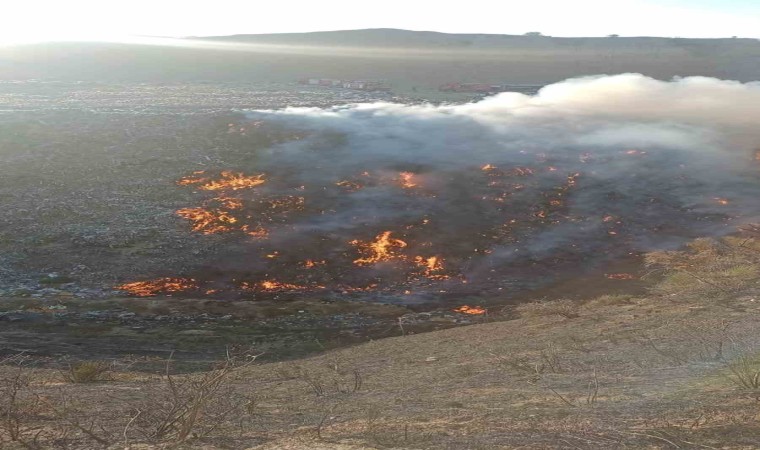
<point>529,199</point>
<point>228,180</point>
<point>218,215</point>
<point>158,286</point>
<point>276,286</point>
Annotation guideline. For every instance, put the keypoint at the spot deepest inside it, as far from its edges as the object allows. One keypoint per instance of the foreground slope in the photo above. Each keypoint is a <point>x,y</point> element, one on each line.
<point>673,369</point>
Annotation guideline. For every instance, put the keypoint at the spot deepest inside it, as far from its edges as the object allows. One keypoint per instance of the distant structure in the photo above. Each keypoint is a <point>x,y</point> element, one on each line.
<point>358,85</point>
<point>482,88</point>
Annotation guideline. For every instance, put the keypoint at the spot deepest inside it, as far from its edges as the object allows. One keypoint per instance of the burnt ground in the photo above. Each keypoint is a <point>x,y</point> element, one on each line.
<point>88,174</point>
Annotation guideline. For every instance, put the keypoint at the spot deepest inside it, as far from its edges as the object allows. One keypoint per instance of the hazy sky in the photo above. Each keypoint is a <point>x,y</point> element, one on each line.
<point>36,20</point>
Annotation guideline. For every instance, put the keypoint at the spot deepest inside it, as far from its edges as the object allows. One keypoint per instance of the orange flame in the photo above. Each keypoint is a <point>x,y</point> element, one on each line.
<point>275,286</point>
<point>192,179</point>
<point>227,181</point>
<point>474,310</point>
<point>310,264</point>
<point>258,233</point>
<point>230,203</point>
<point>721,201</point>
<point>207,221</point>
<point>152,288</point>
<point>233,181</point>
<point>384,248</point>
<point>432,267</point>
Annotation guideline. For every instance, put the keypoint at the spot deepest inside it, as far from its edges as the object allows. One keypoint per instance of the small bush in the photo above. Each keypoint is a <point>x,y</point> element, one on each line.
<point>88,371</point>
<point>745,372</point>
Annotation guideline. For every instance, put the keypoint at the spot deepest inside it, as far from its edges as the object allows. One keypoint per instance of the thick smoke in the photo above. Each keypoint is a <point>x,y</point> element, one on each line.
<point>514,190</point>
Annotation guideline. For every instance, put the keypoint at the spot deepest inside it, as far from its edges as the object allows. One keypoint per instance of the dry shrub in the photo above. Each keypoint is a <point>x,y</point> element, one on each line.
<point>18,406</point>
<point>192,406</point>
<point>565,308</point>
<point>708,267</point>
<point>88,371</point>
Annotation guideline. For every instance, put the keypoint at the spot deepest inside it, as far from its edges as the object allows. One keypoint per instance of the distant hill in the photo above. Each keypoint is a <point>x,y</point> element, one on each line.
<point>398,56</point>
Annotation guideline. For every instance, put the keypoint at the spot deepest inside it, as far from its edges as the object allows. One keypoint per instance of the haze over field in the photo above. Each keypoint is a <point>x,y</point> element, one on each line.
<point>400,57</point>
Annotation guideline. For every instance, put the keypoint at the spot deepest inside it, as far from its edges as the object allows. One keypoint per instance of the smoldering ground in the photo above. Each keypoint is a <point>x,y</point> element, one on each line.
<point>505,193</point>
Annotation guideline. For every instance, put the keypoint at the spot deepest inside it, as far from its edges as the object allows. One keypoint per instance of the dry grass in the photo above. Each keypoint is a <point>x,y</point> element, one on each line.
<point>563,307</point>
<point>708,268</point>
<point>609,300</point>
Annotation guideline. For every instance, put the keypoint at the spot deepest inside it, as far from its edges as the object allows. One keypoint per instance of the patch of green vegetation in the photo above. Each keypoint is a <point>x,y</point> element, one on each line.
<point>57,279</point>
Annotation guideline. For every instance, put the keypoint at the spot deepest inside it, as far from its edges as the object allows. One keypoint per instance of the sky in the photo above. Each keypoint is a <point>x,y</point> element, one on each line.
<point>24,21</point>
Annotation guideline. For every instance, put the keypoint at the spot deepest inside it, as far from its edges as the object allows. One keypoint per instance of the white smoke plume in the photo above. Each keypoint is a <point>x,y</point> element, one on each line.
<point>514,188</point>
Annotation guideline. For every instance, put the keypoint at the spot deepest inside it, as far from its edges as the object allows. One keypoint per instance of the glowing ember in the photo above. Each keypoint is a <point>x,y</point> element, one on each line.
<point>432,267</point>
<point>230,203</point>
<point>522,171</point>
<point>208,221</point>
<point>721,201</point>
<point>192,179</point>
<point>474,310</point>
<point>310,264</point>
<point>384,248</point>
<point>152,288</point>
<point>271,285</point>
<point>406,179</point>
<point>620,276</point>
<point>487,167</point>
<point>275,286</point>
<point>258,232</point>
<point>349,185</point>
